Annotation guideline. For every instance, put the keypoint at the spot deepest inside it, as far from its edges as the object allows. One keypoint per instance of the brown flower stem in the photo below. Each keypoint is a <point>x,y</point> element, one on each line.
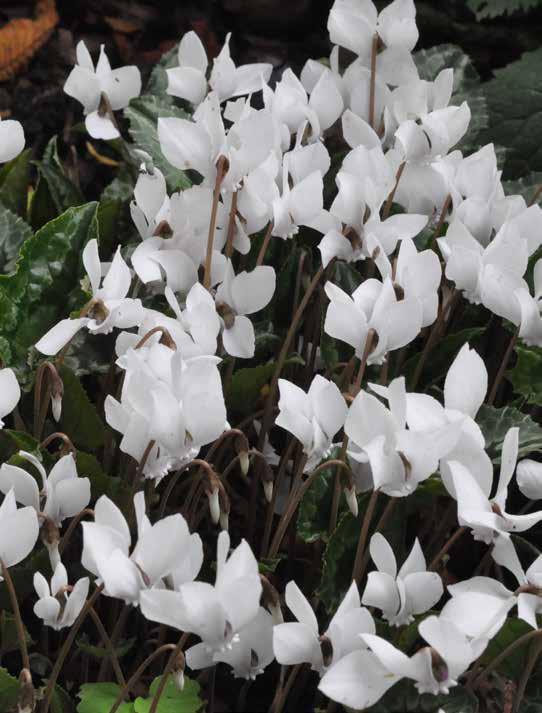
<point>372,86</point>
<point>61,437</point>
<point>41,398</point>
<point>379,527</point>
<point>165,675</point>
<point>358,570</point>
<point>134,678</point>
<point>231,225</point>
<point>165,339</point>
<point>265,244</point>
<point>442,217</point>
<point>109,646</point>
<point>271,506</point>
<point>492,665</point>
<point>389,202</point>
<point>17,614</point>
<point>447,546</point>
<point>115,637</point>
<point>66,647</point>
<point>221,170</point>
<point>282,693</point>
<point>296,495</point>
<point>434,335</point>
<point>502,368</point>
<point>535,649</point>
<point>72,527</point>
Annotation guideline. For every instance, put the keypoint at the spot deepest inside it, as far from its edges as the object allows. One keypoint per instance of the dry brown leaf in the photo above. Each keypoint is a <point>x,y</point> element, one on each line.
<point>119,24</point>
<point>20,39</point>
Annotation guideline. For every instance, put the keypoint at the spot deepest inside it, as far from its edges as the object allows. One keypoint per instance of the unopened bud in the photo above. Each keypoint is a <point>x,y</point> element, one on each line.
<point>26,700</point>
<point>268,490</point>
<point>268,478</point>
<point>178,671</point>
<point>214,505</point>
<point>225,521</point>
<point>351,499</point>
<point>50,536</point>
<point>242,448</point>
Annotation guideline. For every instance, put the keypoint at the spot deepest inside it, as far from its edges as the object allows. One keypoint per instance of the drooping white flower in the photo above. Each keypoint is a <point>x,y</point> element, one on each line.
<point>19,530</point>
<point>89,85</point>
<point>485,515</point>
<point>108,309</point>
<point>313,417</point>
<point>238,296</point>
<point>59,604</point>
<point>300,642</point>
<point>12,139</point>
<point>400,594</point>
<point>216,613</point>
<point>160,549</point>
<point>374,305</point>
<point>63,493</point>
<point>10,393</point>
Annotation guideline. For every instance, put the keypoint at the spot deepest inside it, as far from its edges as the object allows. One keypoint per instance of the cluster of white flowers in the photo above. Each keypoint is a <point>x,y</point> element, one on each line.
<point>262,170</point>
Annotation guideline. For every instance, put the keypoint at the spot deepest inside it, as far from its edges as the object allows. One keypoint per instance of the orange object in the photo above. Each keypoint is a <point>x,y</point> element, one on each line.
<point>20,39</point>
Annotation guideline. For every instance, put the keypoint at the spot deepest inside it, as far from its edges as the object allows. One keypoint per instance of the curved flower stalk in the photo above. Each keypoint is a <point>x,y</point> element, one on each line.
<point>108,309</point>
<point>12,139</point>
<point>400,594</point>
<point>10,393</point>
<point>59,604</point>
<point>19,530</point>
<point>216,613</point>
<point>300,642</point>
<point>101,90</point>
<point>314,418</point>
<point>124,574</point>
<point>63,493</point>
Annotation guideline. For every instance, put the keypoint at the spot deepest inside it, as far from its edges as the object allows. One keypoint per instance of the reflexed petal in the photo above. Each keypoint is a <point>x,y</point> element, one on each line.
<point>529,478</point>
<point>59,335</point>
<point>465,387</point>
<point>101,127</point>
<point>381,591</point>
<point>23,484</point>
<point>164,607</point>
<point>47,609</point>
<point>122,85</point>
<point>18,535</point>
<point>252,291</point>
<point>185,144</point>
<point>83,85</point>
<point>423,590</point>
<point>72,496</point>
<point>187,83</point>
<point>10,392</point>
<point>295,643</point>
<point>382,555</point>
<point>300,607</point>
<point>12,139</point>
<point>239,340</point>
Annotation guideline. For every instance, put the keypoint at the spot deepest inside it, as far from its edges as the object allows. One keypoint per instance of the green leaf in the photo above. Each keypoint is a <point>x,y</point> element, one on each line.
<point>514,664</point>
<point>9,690</point>
<point>79,419</point>
<point>100,697</point>
<point>102,484</point>
<point>526,186</point>
<point>143,114</point>
<point>466,86</point>
<point>14,180</point>
<point>172,701</point>
<point>100,652</point>
<point>515,113</point>
<point>9,640</point>
<point>61,701</point>
<point>246,385</point>
<point>315,508</point>
<point>526,376</point>
<point>34,297</point>
<point>495,423</point>
<point>157,84</point>
<point>64,193</point>
<point>494,8</point>
<point>13,232</point>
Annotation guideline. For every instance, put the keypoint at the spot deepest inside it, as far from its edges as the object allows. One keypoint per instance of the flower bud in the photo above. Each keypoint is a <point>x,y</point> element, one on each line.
<point>177,671</point>
<point>26,700</point>
<point>50,536</point>
<point>351,499</point>
<point>214,505</point>
<point>242,448</point>
<point>267,480</point>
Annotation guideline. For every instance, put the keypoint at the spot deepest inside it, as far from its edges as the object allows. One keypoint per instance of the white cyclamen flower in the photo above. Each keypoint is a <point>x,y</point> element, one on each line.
<point>59,604</point>
<point>299,642</point>
<point>19,530</point>
<point>216,613</point>
<point>12,139</point>
<point>10,393</point>
<point>108,309</point>
<point>314,417</point>
<point>160,549</point>
<point>62,495</point>
<point>400,594</point>
<point>89,85</point>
